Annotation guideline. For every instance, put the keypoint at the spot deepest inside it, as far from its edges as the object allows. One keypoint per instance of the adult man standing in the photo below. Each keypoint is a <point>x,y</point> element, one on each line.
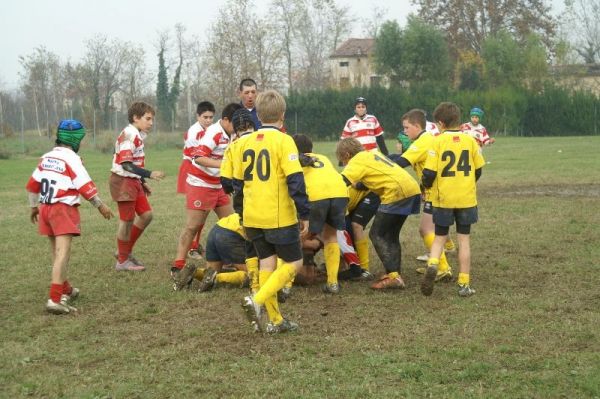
<point>247,92</point>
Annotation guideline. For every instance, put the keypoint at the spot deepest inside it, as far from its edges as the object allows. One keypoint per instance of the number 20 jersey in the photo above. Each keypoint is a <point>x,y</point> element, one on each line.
<point>61,177</point>
<point>263,161</point>
<point>454,157</point>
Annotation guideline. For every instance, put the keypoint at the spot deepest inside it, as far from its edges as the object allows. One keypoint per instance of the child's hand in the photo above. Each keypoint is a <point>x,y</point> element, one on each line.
<point>147,188</point>
<point>303,229</point>
<point>105,211</point>
<point>157,175</point>
<point>34,215</point>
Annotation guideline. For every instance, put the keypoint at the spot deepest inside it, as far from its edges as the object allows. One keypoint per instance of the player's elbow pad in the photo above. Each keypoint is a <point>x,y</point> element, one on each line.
<point>428,178</point>
<point>227,185</point>
<point>478,173</point>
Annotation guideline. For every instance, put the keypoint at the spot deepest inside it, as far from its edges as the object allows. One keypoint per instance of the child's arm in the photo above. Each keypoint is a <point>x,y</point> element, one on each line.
<point>381,144</point>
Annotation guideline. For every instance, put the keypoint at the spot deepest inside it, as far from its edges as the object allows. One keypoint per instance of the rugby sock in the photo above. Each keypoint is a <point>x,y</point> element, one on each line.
<point>179,263</point>
<point>449,245</point>
<point>393,275</point>
<point>433,262</point>
<point>271,304</point>
<point>56,291</point>
<point>236,278</point>
<point>332,261</point>
<point>463,279</point>
<point>362,249</point>
<point>196,240</point>
<point>66,288</point>
<point>136,232</point>
<point>199,275</point>
<point>252,266</point>
<point>277,281</point>
<point>443,263</point>
<point>123,250</point>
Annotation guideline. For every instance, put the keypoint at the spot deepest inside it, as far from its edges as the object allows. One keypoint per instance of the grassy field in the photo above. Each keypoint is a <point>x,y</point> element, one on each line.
<point>532,329</point>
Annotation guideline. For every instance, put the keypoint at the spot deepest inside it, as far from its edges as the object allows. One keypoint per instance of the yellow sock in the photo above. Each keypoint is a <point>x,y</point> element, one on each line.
<point>362,250</point>
<point>332,261</point>
<point>449,245</point>
<point>443,263</point>
<point>290,283</point>
<point>393,275</point>
<point>463,279</point>
<point>252,267</point>
<point>280,262</point>
<point>271,304</point>
<point>433,262</point>
<point>279,278</point>
<point>199,275</point>
<point>235,278</point>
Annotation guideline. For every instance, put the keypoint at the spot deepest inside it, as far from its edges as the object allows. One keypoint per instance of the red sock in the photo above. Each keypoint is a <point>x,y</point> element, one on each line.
<point>197,238</point>
<point>56,291</point>
<point>66,288</point>
<point>136,232</point>
<point>123,250</point>
<point>179,263</point>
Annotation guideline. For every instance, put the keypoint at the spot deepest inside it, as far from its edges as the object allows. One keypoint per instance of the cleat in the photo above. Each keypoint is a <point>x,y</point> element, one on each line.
<point>465,290</point>
<point>444,276</point>
<point>353,272</point>
<point>208,281</point>
<point>429,280</point>
<point>194,254</point>
<point>283,327</point>
<point>385,282</point>
<point>331,288</point>
<point>184,277</point>
<point>365,275</point>
<point>130,257</point>
<point>64,301</point>
<point>246,282</point>
<point>128,265</point>
<point>253,312</point>
<point>421,270</point>
<point>423,258</point>
<point>57,308</point>
<point>284,294</point>
<point>73,295</point>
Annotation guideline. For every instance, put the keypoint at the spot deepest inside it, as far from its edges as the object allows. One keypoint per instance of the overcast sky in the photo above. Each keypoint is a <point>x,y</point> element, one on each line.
<point>62,26</point>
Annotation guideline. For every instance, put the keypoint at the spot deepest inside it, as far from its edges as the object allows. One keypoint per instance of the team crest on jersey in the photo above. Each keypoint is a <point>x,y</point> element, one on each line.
<point>260,137</point>
<point>456,139</point>
<point>197,204</point>
<point>293,157</point>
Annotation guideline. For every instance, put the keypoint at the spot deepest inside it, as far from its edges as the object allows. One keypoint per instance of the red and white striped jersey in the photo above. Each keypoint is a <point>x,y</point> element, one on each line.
<point>478,132</point>
<point>191,140</point>
<point>61,177</point>
<point>128,148</point>
<point>364,129</point>
<point>432,128</point>
<point>212,145</point>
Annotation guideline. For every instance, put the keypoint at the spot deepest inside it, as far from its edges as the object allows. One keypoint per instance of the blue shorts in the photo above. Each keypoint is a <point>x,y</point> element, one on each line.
<point>407,206</point>
<point>223,245</point>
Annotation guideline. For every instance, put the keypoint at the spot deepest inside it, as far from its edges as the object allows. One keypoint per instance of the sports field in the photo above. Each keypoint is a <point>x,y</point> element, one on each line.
<point>532,329</point>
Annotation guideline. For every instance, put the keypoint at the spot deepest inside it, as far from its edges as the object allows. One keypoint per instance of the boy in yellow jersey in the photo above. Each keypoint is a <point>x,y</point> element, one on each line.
<point>451,171</point>
<point>400,197</point>
<point>269,178</point>
<point>413,123</point>
<point>328,196</point>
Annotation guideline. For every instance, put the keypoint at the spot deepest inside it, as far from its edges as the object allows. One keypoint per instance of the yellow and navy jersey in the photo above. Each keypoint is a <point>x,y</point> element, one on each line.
<point>382,176</point>
<point>416,154</point>
<point>231,153</point>
<point>354,197</point>
<point>232,223</point>
<point>322,180</point>
<point>264,160</point>
<point>454,157</point>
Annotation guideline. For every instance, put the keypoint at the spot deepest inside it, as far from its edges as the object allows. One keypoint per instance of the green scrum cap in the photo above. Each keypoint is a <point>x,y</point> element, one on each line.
<point>70,132</point>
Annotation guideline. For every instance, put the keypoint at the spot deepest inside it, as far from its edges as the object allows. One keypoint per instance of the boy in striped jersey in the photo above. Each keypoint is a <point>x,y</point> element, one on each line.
<point>57,182</point>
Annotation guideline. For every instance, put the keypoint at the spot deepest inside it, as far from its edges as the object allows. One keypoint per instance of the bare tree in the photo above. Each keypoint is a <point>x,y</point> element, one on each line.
<point>370,27</point>
<point>583,22</point>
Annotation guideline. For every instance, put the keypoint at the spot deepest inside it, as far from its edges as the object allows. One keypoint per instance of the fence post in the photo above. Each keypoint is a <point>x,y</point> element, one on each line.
<point>22,131</point>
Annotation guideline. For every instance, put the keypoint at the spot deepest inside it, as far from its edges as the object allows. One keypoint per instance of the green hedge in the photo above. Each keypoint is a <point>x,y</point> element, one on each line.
<point>509,111</point>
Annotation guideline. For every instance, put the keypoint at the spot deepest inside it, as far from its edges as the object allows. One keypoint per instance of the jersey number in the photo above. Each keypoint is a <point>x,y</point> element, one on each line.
<point>47,191</point>
<point>384,160</point>
<point>463,163</point>
<point>263,165</point>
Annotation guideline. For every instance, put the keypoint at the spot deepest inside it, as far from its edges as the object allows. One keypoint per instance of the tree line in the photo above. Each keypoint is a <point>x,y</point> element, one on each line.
<point>456,48</point>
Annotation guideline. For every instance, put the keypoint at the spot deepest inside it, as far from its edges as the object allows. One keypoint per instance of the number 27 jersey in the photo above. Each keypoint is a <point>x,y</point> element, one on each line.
<point>263,161</point>
<point>454,157</point>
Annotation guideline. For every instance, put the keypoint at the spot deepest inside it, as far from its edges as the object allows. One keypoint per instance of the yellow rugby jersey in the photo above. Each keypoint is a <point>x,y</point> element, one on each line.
<point>265,158</point>
<point>382,176</point>
<point>354,197</point>
<point>416,154</point>
<point>232,223</point>
<point>322,180</point>
<point>231,153</point>
<point>454,157</point>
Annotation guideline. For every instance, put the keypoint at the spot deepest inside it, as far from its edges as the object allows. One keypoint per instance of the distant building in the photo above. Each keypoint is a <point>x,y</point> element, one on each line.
<point>578,77</point>
<point>352,64</point>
